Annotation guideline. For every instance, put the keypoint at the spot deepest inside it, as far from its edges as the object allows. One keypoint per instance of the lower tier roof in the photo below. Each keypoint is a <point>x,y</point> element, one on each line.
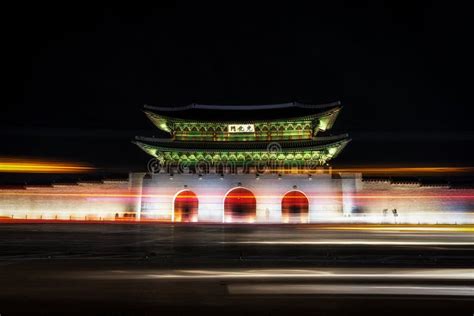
<point>165,144</point>
<point>318,150</point>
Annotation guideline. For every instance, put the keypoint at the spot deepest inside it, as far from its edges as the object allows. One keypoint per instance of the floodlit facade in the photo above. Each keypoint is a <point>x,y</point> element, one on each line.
<point>243,164</point>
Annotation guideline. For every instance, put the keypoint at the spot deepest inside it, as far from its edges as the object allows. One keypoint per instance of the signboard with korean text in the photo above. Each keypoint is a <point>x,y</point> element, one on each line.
<point>241,128</point>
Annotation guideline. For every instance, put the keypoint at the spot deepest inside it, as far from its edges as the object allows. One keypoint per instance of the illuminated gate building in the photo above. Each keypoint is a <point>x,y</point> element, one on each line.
<point>242,164</point>
<point>263,163</point>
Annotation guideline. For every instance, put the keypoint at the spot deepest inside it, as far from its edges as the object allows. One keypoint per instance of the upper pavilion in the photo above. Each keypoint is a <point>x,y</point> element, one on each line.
<point>243,134</point>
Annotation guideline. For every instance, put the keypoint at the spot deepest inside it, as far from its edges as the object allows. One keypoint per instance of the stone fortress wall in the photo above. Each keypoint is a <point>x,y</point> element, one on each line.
<point>345,198</point>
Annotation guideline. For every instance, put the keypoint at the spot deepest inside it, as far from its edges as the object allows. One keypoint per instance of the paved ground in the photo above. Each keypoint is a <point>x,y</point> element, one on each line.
<point>213,269</point>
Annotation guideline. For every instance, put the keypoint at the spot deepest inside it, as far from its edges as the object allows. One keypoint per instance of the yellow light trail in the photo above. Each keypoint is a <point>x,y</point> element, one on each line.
<point>41,166</point>
<point>385,170</point>
<point>398,228</point>
<point>406,170</point>
<point>129,195</point>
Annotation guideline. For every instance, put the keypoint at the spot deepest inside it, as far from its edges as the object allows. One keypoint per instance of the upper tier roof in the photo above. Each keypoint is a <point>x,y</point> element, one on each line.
<point>232,113</point>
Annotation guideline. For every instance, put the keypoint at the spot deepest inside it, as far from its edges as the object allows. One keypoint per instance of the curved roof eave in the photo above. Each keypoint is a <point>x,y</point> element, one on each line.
<point>154,117</point>
<point>340,145</point>
<point>171,140</point>
<point>242,107</point>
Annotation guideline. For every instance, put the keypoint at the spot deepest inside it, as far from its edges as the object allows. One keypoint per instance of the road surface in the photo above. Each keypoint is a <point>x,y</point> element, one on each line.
<point>235,269</point>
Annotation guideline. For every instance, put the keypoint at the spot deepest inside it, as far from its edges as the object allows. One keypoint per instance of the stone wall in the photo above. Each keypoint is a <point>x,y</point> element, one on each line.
<point>331,198</point>
<point>81,201</point>
<point>414,203</point>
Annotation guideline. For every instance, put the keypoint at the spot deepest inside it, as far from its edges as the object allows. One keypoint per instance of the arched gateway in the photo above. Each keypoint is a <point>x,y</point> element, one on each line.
<point>240,206</point>
<point>186,206</point>
<point>294,207</point>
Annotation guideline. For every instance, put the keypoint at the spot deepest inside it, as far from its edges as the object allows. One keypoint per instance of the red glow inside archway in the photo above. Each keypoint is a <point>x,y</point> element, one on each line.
<point>186,207</point>
<point>294,207</point>
<point>240,206</point>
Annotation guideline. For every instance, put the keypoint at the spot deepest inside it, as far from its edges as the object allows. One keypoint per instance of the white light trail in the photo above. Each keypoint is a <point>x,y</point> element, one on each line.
<point>357,243</point>
<point>463,274</point>
<point>340,289</point>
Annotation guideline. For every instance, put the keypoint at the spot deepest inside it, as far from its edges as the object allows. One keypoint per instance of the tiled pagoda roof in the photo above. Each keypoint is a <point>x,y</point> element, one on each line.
<point>242,113</point>
<point>165,144</point>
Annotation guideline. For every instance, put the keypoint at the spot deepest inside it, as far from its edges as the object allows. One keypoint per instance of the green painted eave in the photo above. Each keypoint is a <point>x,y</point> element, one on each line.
<point>326,120</point>
<point>154,149</point>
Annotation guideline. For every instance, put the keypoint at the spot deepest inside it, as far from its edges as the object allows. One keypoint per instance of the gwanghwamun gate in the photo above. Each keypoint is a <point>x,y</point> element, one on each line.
<point>243,164</point>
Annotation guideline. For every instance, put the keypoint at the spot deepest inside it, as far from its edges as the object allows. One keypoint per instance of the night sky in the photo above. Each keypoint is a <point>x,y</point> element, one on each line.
<point>77,77</point>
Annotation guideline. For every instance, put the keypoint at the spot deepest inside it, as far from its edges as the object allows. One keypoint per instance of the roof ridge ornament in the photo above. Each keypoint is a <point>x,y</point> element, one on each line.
<point>241,107</point>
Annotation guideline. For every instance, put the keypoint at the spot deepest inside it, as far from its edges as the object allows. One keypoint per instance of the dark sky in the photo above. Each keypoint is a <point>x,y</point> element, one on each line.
<point>77,77</point>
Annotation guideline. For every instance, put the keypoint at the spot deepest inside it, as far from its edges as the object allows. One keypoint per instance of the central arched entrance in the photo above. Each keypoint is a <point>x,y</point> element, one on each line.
<point>186,206</point>
<point>240,206</point>
<point>294,207</point>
